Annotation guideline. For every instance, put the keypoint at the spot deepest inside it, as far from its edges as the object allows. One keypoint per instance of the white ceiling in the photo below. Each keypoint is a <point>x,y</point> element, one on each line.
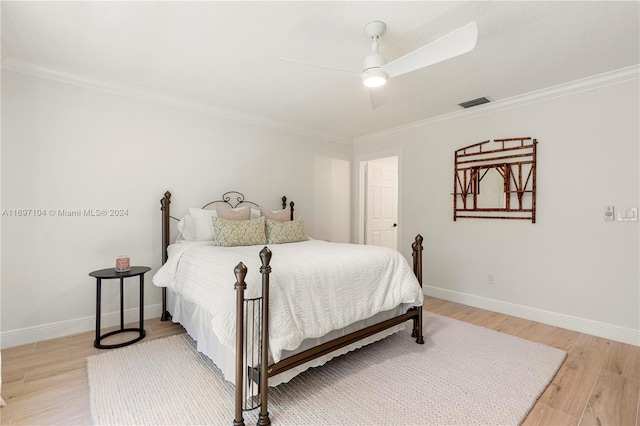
<point>225,54</point>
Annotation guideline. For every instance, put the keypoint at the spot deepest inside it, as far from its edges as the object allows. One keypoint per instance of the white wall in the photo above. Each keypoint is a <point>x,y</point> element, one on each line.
<point>65,146</point>
<point>571,268</point>
<point>71,147</point>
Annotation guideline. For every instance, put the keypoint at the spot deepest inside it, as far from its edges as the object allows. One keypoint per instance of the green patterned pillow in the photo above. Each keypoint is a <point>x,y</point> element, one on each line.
<point>285,232</point>
<point>230,233</point>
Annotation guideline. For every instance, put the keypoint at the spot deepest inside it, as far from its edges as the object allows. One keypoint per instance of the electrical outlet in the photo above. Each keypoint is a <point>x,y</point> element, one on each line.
<point>491,279</point>
<point>609,213</point>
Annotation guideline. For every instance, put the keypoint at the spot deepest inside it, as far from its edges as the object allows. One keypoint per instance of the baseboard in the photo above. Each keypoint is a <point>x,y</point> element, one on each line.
<point>23,336</point>
<point>582,325</point>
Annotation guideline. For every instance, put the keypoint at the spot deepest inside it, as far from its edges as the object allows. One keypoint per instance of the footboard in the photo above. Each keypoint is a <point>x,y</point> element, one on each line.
<point>252,318</point>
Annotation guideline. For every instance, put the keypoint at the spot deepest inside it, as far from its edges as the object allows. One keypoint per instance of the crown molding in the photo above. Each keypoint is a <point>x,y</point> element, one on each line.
<point>565,89</point>
<point>12,64</point>
<point>589,83</point>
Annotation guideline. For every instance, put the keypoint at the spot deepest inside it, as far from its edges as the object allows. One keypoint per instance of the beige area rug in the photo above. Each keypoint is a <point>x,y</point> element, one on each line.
<point>462,375</point>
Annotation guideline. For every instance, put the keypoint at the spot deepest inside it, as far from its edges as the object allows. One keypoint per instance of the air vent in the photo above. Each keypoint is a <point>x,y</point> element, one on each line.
<point>474,102</point>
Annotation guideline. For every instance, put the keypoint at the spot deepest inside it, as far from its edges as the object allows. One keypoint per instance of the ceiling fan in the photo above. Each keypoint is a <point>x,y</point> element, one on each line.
<point>376,70</point>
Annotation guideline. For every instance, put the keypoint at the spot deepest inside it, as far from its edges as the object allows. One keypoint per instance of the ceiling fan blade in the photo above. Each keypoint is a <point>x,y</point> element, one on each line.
<point>455,43</point>
<point>378,96</point>
<point>353,73</point>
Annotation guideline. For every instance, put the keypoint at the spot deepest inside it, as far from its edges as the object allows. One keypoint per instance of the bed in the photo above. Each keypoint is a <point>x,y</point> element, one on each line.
<point>296,302</point>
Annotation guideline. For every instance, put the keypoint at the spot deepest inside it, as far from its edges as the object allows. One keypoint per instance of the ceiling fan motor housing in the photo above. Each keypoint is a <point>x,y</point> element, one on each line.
<point>374,60</point>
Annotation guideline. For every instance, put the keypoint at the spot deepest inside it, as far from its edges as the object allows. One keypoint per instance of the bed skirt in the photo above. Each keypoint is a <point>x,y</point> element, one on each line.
<point>195,320</point>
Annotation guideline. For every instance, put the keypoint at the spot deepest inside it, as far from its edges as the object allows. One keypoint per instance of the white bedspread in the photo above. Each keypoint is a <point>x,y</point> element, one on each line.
<point>315,286</point>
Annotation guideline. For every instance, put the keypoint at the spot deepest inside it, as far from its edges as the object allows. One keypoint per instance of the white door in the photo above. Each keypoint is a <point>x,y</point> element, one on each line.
<point>381,204</point>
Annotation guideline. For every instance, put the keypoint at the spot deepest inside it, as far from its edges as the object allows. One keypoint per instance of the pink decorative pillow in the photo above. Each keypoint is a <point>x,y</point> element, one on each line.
<point>279,215</point>
<point>233,214</point>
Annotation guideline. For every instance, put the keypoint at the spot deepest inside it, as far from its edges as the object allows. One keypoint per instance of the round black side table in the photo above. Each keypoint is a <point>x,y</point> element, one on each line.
<point>110,273</point>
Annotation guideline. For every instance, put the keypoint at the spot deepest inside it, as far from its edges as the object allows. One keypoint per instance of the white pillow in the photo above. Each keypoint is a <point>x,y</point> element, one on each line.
<point>202,228</point>
<point>186,231</point>
<point>197,225</point>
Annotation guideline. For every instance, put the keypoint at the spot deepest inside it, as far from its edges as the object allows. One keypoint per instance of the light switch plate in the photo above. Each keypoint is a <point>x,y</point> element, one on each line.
<point>628,214</point>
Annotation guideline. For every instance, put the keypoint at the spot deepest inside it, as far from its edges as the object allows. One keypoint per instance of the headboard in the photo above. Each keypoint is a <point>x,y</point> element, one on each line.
<point>232,198</point>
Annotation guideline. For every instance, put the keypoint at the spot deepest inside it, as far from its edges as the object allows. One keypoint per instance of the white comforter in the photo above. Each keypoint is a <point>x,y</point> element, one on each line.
<point>315,286</point>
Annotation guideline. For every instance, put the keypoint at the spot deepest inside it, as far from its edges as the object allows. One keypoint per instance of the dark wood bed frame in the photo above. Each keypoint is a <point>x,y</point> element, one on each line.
<point>245,400</point>
<point>232,198</point>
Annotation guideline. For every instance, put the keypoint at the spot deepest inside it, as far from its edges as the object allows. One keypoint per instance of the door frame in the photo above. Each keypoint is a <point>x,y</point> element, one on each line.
<point>360,191</point>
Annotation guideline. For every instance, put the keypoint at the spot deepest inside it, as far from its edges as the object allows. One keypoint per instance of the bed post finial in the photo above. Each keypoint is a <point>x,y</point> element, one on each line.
<point>240,272</point>
<point>284,206</point>
<point>417,242</point>
<point>167,197</point>
<point>164,204</point>
<point>265,257</point>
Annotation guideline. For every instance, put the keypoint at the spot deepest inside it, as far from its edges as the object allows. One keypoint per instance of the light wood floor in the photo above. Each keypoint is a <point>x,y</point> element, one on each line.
<point>45,383</point>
